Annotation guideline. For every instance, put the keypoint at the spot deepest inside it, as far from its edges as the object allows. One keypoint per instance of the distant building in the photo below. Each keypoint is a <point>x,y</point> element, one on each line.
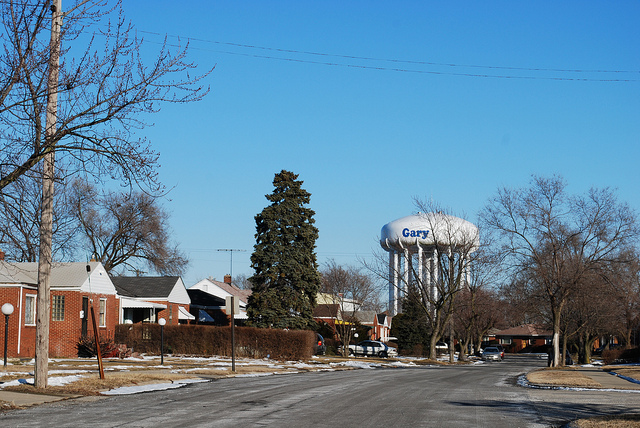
<point>515,339</point>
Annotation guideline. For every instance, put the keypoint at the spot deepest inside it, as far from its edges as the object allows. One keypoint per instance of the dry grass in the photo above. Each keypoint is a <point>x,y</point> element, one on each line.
<point>562,377</point>
<point>131,372</point>
<point>5,405</point>
<point>620,421</point>
<point>93,385</point>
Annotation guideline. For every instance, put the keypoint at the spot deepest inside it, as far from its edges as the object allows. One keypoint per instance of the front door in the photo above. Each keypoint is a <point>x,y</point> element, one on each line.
<point>85,315</point>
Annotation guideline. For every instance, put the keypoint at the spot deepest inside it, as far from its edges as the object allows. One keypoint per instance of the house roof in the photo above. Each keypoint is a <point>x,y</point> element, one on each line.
<point>528,330</point>
<point>90,277</point>
<point>326,311</point>
<point>151,287</point>
<point>366,317</point>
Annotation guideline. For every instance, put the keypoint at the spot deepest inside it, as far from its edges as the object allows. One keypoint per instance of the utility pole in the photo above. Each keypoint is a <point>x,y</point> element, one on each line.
<point>43,307</point>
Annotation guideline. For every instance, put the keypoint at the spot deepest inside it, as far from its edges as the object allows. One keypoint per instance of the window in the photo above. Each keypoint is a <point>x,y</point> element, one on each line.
<point>103,310</point>
<point>57,308</point>
<point>30,309</point>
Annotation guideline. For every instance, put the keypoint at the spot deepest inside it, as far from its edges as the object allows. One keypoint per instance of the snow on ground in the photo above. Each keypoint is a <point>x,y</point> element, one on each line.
<point>53,381</point>
<point>127,390</point>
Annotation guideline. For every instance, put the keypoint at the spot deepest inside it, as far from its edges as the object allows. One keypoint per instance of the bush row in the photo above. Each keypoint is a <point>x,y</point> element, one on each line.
<point>611,356</point>
<point>210,340</point>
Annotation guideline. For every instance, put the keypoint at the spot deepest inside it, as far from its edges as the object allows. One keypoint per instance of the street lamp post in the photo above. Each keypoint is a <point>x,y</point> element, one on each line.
<point>7,309</point>
<point>162,322</point>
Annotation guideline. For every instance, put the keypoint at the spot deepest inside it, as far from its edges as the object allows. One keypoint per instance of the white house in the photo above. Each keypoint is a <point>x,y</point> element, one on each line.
<point>223,290</point>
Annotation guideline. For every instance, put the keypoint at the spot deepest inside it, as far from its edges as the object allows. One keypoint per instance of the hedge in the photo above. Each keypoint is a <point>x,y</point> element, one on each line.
<point>612,356</point>
<point>204,340</point>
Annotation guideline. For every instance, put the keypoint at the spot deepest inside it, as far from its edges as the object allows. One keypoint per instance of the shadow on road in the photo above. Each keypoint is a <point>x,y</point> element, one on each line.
<point>554,412</point>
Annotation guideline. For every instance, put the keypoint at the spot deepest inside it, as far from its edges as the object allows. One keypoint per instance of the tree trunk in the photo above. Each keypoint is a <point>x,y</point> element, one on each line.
<point>564,350</point>
<point>43,308</point>
<point>432,346</point>
<point>555,361</point>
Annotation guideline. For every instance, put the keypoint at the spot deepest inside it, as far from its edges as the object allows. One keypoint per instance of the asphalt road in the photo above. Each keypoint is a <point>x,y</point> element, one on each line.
<point>457,396</point>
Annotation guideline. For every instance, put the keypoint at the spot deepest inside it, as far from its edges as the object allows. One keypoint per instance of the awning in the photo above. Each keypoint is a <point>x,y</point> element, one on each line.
<point>130,303</point>
<point>204,317</point>
<point>183,314</point>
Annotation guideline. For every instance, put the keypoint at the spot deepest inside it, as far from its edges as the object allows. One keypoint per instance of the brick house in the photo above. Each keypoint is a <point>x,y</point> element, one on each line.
<point>379,324</point>
<point>146,299</point>
<point>74,287</point>
<point>516,339</point>
<point>329,314</point>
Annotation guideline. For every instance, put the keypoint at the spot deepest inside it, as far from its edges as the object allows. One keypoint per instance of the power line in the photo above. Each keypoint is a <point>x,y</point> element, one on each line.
<point>489,67</point>
<point>291,52</point>
<point>406,70</point>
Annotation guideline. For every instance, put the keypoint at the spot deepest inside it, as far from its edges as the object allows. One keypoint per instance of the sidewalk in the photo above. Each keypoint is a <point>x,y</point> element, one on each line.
<point>607,380</point>
<point>23,399</point>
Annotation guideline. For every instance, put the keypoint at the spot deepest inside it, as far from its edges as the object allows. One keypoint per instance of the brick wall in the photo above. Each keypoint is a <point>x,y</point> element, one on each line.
<point>171,312</point>
<point>63,335</point>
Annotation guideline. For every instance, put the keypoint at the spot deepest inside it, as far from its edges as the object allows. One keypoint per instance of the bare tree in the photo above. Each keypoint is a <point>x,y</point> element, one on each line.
<point>104,88</point>
<point>349,291</point>
<point>590,312</point>
<point>126,231</point>
<point>478,306</point>
<point>20,216</point>
<point>557,238</point>
<point>85,108</point>
<point>242,282</point>
<point>623,292</point>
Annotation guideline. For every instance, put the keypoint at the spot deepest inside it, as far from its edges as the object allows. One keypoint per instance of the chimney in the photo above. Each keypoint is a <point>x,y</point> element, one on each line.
<point>1,255</point>
<point>227,279</point>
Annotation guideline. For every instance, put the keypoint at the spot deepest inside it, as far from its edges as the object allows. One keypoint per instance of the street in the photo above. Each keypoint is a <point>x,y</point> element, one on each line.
<point>435,396</point>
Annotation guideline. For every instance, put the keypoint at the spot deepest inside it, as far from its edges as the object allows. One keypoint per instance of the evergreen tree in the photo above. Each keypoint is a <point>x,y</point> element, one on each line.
<point>410,327</point>
<point>286,279</point>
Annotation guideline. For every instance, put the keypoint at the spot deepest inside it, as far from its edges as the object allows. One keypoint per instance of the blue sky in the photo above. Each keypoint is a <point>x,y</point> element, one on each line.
<point>376,103</point>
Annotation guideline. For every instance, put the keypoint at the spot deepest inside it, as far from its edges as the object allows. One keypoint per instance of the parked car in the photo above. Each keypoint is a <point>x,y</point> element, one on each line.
<point>373,348</point>
<point>319,348</point>
<point>491,353</point>
<point>442,347</point>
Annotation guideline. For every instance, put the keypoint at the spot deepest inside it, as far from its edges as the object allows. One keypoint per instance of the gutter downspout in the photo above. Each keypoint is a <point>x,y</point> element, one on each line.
<point>20,320</point>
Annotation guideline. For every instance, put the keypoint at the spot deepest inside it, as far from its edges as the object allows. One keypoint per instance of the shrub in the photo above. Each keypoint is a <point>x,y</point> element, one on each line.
<point>206,340</point>
<point>610,356</point>
<point>87,347</point>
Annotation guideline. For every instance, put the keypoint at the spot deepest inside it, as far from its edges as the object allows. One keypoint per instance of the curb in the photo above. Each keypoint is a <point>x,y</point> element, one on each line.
<point>523,382</point>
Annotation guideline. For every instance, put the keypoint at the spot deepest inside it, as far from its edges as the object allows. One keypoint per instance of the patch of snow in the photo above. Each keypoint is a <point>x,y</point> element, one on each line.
<point>128,390</point>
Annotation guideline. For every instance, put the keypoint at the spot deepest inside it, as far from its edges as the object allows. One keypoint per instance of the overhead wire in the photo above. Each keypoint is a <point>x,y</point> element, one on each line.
<point>291,57</point>
<point>400,61</point>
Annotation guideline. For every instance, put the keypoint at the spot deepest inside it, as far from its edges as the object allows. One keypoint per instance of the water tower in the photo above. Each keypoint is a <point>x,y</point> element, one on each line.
<point>416,242</point>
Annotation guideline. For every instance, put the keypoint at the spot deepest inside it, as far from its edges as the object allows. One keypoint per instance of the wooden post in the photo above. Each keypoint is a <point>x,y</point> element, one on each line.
<point>43,308</point>
<point>95,333</point>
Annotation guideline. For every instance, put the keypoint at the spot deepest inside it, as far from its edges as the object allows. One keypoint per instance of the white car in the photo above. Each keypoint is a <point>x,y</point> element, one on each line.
<point>373,348</point>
